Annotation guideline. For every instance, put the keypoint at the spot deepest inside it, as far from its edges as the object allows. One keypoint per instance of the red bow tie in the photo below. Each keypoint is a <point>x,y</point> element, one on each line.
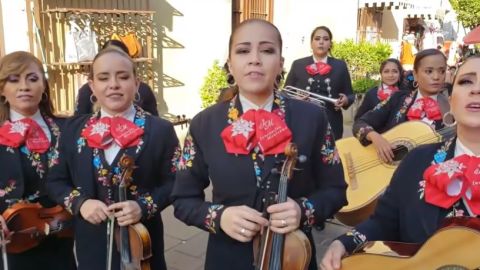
<point>385,92</point>
<point>257,127</point>
<point>447,182</point>
<point>101,133</point>
<point>424,107</point>
<point>318,68</point>
<point>25,131</point>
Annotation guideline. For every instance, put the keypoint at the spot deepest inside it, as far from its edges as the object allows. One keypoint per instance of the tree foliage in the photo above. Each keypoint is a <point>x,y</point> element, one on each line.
<point>363,59</point>
<point>215,80</point>
<point>468,12</point>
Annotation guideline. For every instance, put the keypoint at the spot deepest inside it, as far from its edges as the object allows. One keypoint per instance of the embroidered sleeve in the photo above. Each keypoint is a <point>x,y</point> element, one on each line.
<point>353,241</point>
<point>212,219</point>
<point>329,151</point>
<point>69,200</point>
<point>307,218</point>
<point>149,207</point>
<point>361,134</point>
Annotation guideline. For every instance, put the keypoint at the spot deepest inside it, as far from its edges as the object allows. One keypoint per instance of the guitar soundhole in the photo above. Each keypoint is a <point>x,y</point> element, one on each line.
<point>452,267</point>
<point>400,150</point>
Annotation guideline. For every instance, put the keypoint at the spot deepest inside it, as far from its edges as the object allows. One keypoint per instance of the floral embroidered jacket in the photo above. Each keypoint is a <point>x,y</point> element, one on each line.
<point>338,79</point>
<point>318,185</point>
<point>14,175</point>
<point>83,174</point>
<point>402,213</point>
<point>391,112</point>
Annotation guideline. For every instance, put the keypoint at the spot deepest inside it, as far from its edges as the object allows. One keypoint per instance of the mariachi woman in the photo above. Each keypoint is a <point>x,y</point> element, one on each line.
<point>325,75</point>
<point>433,182</point>
<point>28,134</point>
<point>225,148</point>
<point>426,103</point>
<point>87,177</point>
<point>391,74</point>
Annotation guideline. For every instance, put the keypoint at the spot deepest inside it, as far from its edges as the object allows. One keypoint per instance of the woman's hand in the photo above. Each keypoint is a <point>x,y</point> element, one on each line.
<point>284,217</point>
<point>94,211</point>
<point>333,256</point>
<point>126,213</point>
<point>242,223</point>
<point>342,101</point>
<point>384,148</point>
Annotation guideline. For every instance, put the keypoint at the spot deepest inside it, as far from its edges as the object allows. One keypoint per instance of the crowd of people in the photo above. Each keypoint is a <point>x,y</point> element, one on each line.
<point>237,147</point>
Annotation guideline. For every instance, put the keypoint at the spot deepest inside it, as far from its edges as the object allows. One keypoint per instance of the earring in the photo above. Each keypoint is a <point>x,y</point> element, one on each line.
<point>137,97</point>
<point>449,123</point>
<point>93,99</point>
<point>230,80</point>
<point>415,84</point>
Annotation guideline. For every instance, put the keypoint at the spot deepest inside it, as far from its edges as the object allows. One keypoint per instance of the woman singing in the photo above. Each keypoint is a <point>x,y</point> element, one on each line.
<point>29,132</point>
<point>433,182</point>
<point>225,148</point>
<point>325,75</point>
<point>87,176</point>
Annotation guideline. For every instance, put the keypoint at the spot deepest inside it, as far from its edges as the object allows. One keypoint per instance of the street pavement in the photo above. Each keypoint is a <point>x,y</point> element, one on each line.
<point>185,246</point>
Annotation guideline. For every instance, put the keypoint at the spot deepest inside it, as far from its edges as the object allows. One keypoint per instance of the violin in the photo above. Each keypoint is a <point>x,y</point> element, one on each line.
<point>30,223</point>
<point>133,241</point>
<point>3,245</point>
<point>275,251</point>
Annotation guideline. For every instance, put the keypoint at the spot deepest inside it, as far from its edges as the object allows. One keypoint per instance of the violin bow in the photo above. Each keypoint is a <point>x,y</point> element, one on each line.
<point>4,248</point>
<point>110,228</point>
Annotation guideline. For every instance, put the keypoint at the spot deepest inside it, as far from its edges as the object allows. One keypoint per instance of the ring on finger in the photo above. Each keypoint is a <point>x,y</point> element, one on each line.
<point>284,223</point>
<point>242,231</point>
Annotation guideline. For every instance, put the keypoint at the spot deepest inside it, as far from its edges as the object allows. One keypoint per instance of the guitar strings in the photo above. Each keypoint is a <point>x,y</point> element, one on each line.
<point>370,163</point>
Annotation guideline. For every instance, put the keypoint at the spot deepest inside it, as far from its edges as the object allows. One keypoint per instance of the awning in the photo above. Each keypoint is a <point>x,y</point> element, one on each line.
<point>386,4</point>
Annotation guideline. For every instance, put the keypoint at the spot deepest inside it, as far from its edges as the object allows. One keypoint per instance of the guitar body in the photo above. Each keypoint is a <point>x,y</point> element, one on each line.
<point>454,247</point>
<point>367,176</point>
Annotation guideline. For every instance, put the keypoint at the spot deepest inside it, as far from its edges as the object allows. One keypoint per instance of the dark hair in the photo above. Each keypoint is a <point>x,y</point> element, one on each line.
<point>15,63</point>
<point>425,53</point>
<point>117,43</point>
<point>324,28</point>
<point>399,67</point>
<point>249,21</point>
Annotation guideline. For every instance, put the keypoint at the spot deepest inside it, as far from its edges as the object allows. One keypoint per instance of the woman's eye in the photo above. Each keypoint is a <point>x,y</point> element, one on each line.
<point>124,77</point>
<point>12,79</point>
<point>102,79</point>
<point>269,51</point>
<point>33,79</point>
<point>242,51</point>
<point>464,81</point>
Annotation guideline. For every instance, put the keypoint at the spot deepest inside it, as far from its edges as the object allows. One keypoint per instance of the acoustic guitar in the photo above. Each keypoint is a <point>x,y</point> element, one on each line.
<point>454,247</point>
<point>368,176</point>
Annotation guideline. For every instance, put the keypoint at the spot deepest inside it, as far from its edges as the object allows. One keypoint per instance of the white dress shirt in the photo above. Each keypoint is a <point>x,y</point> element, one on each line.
<point>248,105</point>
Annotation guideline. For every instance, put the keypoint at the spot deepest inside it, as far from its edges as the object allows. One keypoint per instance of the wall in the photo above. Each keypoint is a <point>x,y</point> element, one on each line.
<point>15,26</point>
<point>195,34</point>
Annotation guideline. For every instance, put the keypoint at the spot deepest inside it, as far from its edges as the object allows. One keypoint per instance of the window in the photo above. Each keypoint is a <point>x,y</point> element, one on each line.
<point>250,9</point>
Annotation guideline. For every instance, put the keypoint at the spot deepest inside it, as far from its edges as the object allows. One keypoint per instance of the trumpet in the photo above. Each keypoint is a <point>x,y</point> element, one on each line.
<point>302,94</point>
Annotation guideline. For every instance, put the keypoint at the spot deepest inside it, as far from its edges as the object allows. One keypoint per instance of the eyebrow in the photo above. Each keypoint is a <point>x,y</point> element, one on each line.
<point>108,73</point>
<point>249,43</point>
<point>31,74</point>
<point>468,74</point>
